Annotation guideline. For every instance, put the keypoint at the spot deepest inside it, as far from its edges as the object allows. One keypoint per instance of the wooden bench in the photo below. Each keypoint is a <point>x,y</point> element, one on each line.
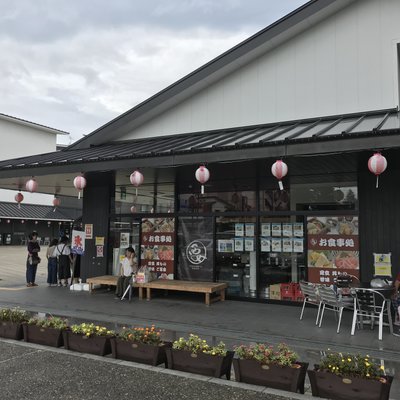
<point>110,280</point>
<point>187,286</point>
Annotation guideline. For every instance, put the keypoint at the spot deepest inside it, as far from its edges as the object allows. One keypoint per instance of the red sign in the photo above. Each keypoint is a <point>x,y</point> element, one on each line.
<point>333,242</point>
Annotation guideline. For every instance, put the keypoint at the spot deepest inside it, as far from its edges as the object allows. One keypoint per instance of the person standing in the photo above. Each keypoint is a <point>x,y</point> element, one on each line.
<point>52,263</point>
<point>396,300</point>
<point>33,259</point>
<point>63,252</point>
<point>128,268</point>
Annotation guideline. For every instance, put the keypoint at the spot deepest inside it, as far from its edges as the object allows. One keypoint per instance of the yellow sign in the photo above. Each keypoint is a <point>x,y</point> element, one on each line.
<point>382,264</point>
<point>99,241</point>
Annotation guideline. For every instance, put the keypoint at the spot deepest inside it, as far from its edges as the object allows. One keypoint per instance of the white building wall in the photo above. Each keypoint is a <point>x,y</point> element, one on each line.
<point>347,63</point>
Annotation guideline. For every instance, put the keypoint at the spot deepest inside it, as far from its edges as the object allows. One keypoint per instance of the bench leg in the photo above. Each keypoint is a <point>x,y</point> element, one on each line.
<point>148,290</point>
<point>140,293</point>
<point>208,302</point>
<point>90,288</point>
<point>222,294</point>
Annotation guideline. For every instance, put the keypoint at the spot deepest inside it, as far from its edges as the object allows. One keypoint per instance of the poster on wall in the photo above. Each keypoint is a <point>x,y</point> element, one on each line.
<point>276,245</point>
<point>100,251</point>
<point>266,229</point>
<point>333,248</point>
<point>298,230</point>
<point>239,229</point>
<point>287,245</point>
<point>265,244</point>
<point>250,229</point>
<point>124,239</point>
<point>78,242</point>
<point>225,245</point>
<point>298,246</point>
<point>249,244</point>
<point>157,246</point>
<point>239,246</point>
<point>196,249</point>
<point>287,230</point>
<point>383,264</point>
<point>276,229</point>
<point>89,231</point>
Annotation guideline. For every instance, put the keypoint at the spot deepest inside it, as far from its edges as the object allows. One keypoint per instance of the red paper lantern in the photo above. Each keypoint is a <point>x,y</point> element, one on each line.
<point>279,170</point>
<point>31,185</point>
<point>19,197</point>
<point>202,175</point>
<point>377,164</point>
<point>56,203</point>
<point>80,184</point>
<point>136,179</point>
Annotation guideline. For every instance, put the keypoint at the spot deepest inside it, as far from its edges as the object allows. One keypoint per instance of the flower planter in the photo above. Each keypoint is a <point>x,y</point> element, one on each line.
<point>202,364</point>
<point>271,375</point>
<point>98,345</point>
<point>331,386</point>
<point>139,352</point>
<point>11,330</point>
<point>46,336</point>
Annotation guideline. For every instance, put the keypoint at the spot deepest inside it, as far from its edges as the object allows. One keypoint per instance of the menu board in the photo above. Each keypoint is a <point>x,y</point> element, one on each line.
<point>239,229</point>
<point>239,246</point>
<point>290,237</point>
<point>276,229</point>
<point>298,246</point>
<point>298,230</point>
<point>157,246</point>
<point>265,244</point>
<point>265,229</point>
<point>287,230</point>
<point>249,244</point>
<point>250,229</point>
<point>225,245</point>
<point>287,245</point>
<point>276,245</point>
<point>333,248</point>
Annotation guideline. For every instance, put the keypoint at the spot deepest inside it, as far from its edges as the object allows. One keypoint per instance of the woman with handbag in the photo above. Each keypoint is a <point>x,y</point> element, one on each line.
<point>33,259</point>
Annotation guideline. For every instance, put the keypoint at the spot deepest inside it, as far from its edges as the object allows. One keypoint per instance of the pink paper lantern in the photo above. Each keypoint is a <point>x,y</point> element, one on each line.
<point>133,209</point>
<point>31,185</point>
<point>80,184</point>
<point>19,197</point>
<point>202,175</point>
<point>279,170</point>
<point>136,179</point>
<point>377,164</point>
<point>56,203</point>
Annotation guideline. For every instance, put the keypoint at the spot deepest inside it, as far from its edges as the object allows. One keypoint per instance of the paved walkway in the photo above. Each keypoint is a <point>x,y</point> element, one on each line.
<point>233,322</point>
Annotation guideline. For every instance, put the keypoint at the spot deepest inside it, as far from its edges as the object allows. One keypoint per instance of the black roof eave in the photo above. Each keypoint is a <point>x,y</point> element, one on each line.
<point>136,114</point>
<point>303,147</point>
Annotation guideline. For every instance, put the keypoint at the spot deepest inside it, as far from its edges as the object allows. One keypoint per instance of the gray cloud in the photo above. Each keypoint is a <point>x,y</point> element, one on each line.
<point>75,65</point>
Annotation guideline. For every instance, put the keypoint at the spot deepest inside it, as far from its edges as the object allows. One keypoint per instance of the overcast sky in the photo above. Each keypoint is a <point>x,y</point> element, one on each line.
<point>76,64</point>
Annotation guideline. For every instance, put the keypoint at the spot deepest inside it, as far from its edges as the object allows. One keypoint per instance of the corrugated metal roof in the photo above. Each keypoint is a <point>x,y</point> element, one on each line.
<point>31,211</point>
<point>302,131</point>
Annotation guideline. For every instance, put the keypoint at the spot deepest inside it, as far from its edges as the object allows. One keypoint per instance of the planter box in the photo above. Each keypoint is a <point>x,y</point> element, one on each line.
<point>331,386</point>
<point>202,364</point>
<point>98,345</point>
<point>139,352</point>
<point>273,376</point>
<point>46,336</point>
<point>11,330</point>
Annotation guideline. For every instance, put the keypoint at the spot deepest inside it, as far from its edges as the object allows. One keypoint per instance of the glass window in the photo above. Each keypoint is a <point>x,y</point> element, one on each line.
<point>236,255</point>
<point>282,257</point>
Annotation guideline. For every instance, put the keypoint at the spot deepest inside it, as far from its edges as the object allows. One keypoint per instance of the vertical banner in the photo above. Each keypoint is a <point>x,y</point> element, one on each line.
<point>196,246</point>
<point>157,246</point>
<point>78,243</point>
<point>89,231</point>
<point>333,248</point>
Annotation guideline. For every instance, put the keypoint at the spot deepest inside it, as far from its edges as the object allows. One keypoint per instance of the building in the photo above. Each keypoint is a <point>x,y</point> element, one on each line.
<point>25,138</point>
<point>319,89</point>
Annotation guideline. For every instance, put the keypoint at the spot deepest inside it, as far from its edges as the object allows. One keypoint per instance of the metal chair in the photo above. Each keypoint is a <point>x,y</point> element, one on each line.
<point>373,305</point>
<point>311,296</point>
<point>331,301</point>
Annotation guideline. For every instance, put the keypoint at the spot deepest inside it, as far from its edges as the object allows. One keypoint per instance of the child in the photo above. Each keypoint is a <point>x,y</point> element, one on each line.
<point>128,268</point>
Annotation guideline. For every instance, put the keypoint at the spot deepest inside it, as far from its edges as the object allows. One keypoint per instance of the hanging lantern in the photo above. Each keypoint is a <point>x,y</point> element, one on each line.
<point>279,170</point>
<point>377,164</point>
<point>19,197</point>
<point>202,175</point>
<point>56,203</point>
<point>133,209</point>
<point>136,179</point>
<point>31,185</point>
<point>80,184</point>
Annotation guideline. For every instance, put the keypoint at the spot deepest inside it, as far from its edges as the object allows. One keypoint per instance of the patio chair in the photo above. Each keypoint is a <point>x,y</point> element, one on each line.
<point>373,305</point>
<point>311,296</point>
<point>331,301</point>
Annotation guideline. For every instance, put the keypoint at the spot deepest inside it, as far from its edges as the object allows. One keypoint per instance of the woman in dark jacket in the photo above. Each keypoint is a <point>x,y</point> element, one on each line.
<point>33,259</point>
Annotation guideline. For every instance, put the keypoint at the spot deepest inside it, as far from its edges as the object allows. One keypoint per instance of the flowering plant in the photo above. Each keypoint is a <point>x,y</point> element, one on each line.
<point>347,365</point>
<point>14,315</point>
<point>90,330</point>
<point>265,354</point>
<point>142,335</point>
<point>197,345</point>
<point>50,322</point>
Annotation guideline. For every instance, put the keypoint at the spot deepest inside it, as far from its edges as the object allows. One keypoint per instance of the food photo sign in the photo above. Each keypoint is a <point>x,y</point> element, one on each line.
<point>157,246</point>
<point>333,248</point>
